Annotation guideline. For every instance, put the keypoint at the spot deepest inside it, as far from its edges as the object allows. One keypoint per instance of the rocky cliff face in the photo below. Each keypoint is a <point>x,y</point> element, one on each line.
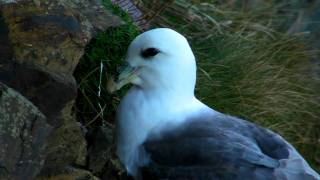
<point>41,43</point>
<point>23,131</point>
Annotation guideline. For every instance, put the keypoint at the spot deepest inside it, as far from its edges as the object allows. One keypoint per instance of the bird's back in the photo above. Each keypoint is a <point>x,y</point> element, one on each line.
<point>211,146</point>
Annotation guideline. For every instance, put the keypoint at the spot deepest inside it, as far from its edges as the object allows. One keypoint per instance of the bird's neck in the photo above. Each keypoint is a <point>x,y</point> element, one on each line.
<point>152,108</point>
<point>144,111</point>
<point>170,96</point>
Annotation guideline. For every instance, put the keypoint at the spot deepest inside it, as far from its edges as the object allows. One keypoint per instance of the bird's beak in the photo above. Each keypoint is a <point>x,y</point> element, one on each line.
<point>126,76</point>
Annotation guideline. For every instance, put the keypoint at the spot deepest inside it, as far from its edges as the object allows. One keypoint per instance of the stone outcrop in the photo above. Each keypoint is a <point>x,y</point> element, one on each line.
<point>23,131</point>
<point>41,43</point>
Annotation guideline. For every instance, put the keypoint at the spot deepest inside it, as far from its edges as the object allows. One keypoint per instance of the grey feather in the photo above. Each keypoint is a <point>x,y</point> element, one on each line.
<point>221,147</point>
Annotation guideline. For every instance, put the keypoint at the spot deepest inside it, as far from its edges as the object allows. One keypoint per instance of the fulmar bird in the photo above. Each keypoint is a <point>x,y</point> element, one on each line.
<point>165,132</point>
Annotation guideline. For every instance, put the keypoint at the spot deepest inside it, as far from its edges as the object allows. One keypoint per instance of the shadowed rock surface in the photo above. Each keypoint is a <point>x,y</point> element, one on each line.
<point>101,149</point>
<point>41,44</point>
<point>23,131</point>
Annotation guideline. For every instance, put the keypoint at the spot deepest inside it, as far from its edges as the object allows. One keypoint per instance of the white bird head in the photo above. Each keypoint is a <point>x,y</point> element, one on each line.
<point>159,59</point>
<point>162,67</point>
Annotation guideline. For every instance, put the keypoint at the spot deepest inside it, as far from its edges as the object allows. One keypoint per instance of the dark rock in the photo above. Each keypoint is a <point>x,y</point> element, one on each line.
<point>47,39</point>
<point>38,86</point>
<point>23,131</point>
<point>102,160</point>
<point>6,51</point>
<point>71,174</point>
<point>41,44</point>
<point>100,151</point>
<point>67,147</point>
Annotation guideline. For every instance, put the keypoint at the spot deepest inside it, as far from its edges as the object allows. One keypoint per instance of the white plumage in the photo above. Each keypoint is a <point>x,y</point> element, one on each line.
<point>162,103</point>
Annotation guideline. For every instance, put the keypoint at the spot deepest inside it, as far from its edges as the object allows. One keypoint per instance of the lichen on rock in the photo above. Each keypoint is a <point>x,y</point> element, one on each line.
<point>41,44</point>
<point>23,133</point>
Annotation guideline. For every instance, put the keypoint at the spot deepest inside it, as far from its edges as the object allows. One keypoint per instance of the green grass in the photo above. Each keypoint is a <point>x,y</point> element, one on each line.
<point>247,67</point>
<point>109,48</point>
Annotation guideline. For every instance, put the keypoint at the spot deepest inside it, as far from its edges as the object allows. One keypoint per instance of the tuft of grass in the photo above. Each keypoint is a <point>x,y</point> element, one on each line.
<point>107,50</point>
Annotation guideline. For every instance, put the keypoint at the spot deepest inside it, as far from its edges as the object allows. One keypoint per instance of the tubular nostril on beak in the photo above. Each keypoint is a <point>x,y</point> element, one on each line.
<point>120,69</point>
<point>125,74</point>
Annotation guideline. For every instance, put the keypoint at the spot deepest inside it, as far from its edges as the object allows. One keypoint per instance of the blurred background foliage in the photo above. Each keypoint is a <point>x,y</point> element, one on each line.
<point>257,59</point>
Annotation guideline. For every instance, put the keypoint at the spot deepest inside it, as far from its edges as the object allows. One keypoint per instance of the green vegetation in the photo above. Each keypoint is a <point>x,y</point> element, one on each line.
<point>247,67</point>
<point>108,48</point>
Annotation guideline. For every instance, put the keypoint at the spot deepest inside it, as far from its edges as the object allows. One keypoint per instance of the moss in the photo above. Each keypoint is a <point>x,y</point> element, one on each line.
<point>109,48</point>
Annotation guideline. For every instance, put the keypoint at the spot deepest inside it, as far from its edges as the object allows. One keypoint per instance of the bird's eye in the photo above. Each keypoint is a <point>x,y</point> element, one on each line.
<point>150,52</point>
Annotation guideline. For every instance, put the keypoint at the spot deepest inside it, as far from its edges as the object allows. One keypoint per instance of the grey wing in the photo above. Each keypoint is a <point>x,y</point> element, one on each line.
<point>291,164</point>
<point>219,147</point>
